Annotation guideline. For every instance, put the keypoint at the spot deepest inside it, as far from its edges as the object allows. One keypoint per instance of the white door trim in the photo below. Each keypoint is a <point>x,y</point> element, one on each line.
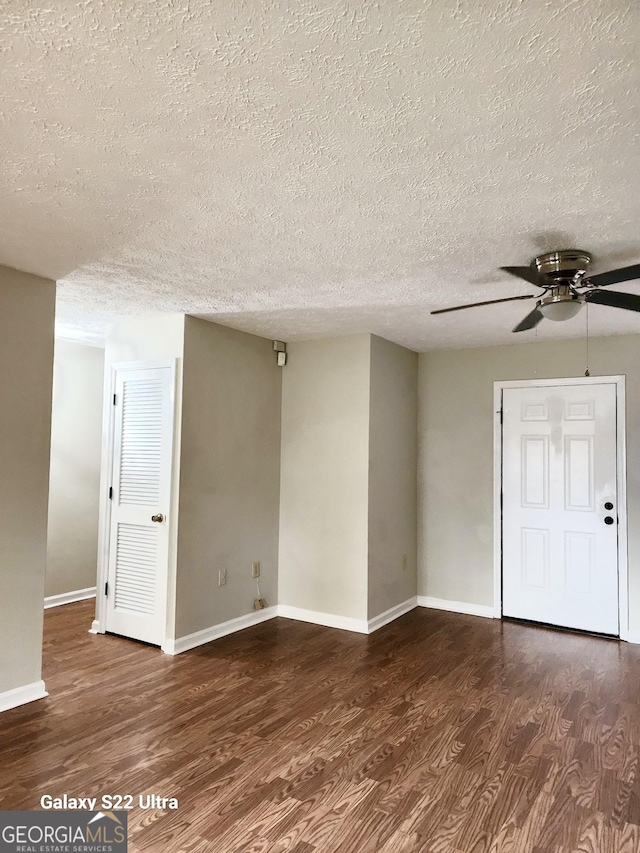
<point>108,427</point>
<point>621,444</point>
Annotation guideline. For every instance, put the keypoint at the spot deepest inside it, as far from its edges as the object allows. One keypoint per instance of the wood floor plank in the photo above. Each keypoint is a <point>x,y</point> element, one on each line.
<point>437,734</point>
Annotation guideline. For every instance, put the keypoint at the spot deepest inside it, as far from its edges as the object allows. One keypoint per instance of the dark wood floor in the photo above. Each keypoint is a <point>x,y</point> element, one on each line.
<point>438,733</point>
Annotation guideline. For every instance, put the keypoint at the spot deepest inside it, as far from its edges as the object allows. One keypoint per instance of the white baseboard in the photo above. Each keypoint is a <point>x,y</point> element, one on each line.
<point>329,620</point>
<point>457,606</point>
<point>199,638</point>
<point>632,637</point>
<point>95,627</point>
<point>22,695</point>
<point>393,613</point>
<point>68,597</point>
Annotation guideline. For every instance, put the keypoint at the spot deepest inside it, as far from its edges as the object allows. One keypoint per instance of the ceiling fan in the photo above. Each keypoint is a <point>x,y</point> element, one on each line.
<point>562,277</point>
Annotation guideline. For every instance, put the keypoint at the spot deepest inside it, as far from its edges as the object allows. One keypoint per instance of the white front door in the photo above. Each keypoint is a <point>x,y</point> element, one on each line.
<point>560,508</point>
<point>140,495</point>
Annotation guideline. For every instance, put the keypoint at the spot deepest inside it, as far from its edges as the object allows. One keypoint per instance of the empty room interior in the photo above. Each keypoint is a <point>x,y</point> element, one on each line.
<point>320,423</point>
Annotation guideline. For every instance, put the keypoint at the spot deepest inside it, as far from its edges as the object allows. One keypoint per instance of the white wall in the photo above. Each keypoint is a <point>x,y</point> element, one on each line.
<point>392,475</point>
<point>74,483</point>
<point>27,306</point>
<point>145,338</point>
<point>229,474</point>
<point>324,477</point>
<point>455,472</point>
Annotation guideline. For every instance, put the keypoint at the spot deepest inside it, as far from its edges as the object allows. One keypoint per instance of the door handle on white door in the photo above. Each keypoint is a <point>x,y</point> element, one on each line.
<point>608,519</point>
<point>159,517</point>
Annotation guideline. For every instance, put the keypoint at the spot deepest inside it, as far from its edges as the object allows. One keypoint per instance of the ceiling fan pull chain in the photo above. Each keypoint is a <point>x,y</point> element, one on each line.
<point>587,373</point>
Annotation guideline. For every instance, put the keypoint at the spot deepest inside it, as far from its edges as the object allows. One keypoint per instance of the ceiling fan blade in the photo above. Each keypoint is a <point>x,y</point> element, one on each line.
<point>616,276</point>
<point>488,302</point>
<point>527,273</point>
<point>614,298</point>
<point>532,319</point>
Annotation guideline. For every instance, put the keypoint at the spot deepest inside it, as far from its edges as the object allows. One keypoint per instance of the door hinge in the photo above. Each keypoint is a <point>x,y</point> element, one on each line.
<point>114,399</point>
<point>110,493</point>
<point>106,588</point>
<point>501,420</point>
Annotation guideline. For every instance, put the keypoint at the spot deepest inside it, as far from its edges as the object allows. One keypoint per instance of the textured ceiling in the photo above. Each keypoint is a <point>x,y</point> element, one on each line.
<point>303,169</point>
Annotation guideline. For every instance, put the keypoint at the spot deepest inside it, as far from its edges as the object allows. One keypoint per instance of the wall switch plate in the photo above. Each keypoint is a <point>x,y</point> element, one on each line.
<point>222,577</point>
<point>255,569</point>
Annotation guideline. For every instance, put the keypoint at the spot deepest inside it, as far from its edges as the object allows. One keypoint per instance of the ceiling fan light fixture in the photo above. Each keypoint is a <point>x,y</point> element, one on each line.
<point>564,309</point>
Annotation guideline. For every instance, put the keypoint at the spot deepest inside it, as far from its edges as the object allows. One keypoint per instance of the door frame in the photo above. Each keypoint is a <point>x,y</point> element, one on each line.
<point>621,463</point>
<point>104,531</point>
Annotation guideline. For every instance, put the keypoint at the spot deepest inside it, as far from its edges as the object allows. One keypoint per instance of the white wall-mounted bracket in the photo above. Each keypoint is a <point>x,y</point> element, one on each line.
<point>280,348</point>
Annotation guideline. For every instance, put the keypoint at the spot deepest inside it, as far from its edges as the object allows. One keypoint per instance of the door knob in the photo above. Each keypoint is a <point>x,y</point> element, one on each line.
<point>608,505</point>
<point>608,519</point>
<point>159,517</point>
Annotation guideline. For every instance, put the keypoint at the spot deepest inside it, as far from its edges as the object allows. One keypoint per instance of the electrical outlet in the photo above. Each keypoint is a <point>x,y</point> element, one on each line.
<point>222,577</point>
<point>404,562</point>
<point>255,570</point>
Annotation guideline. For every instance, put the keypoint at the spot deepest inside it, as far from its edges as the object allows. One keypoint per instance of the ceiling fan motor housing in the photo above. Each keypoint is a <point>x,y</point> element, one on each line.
<point>562,265</point>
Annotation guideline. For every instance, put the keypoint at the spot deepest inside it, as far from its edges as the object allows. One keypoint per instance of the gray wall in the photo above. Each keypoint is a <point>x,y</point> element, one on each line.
<point>455,476</point>
<point>27,306</point>
<point>74,483</point>
<point>392,475</point>
<point>229,474</point>
<point>324,477</point>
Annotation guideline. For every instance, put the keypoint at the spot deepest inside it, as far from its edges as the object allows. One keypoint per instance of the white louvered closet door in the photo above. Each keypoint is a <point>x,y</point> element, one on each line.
<point>141,484</point>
